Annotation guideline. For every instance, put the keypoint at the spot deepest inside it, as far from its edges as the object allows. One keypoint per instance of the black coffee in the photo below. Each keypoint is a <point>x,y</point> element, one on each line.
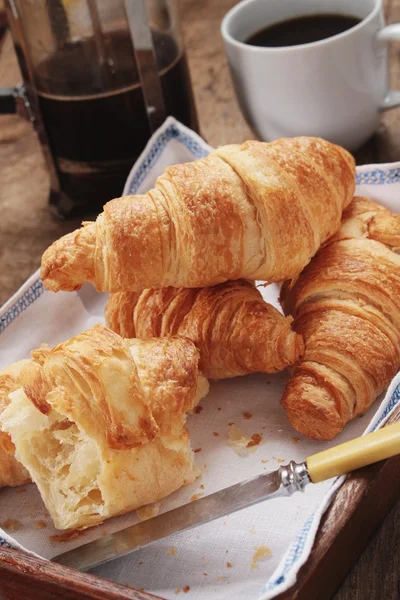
<point>302,30</point>
<point>96,135</point>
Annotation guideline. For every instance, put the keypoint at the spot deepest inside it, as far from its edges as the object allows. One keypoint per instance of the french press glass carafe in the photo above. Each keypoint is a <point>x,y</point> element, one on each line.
<point>99,77</point>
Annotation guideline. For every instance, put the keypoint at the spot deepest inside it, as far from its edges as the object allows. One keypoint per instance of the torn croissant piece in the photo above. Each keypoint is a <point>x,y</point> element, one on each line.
<point>254,211</point>
<point>235,330</point>
<point>346,304</point>
<point>12,473</point>
<point>100,424</point>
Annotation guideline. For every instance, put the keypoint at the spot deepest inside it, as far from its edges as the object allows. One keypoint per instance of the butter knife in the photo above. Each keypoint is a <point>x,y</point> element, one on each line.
<point>288,479</point>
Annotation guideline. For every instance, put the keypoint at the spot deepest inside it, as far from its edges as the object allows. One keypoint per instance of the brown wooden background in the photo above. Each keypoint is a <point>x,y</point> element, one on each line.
<point>27,227</point>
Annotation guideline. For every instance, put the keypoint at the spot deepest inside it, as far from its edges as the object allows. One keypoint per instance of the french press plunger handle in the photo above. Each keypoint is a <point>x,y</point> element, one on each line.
<point>139,28</point>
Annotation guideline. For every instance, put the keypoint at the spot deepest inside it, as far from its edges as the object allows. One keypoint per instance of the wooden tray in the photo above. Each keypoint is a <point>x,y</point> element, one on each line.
<point>357,510</point>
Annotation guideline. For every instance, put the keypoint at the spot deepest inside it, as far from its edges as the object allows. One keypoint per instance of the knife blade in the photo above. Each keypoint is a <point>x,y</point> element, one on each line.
<point>284,481</point>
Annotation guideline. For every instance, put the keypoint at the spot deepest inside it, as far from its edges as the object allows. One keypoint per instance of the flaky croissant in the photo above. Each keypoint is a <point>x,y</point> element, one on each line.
<point>234,329</point>
<point>12,473</point>
<point>346,304</point>
<point>253,211</point>
<point>100,424</point>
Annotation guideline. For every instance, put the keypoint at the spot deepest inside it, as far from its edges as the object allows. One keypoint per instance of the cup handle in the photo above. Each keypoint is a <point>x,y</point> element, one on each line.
<point>391,33</point>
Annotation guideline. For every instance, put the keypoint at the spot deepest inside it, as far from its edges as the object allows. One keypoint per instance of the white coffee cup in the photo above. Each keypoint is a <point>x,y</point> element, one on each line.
<point>334,88</point>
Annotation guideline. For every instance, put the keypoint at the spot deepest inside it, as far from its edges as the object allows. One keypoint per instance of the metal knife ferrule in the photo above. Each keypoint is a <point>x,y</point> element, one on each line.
<point>293,477</point>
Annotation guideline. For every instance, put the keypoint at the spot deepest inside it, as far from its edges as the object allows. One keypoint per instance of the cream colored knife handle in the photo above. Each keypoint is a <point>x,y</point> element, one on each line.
<point>357,453</point>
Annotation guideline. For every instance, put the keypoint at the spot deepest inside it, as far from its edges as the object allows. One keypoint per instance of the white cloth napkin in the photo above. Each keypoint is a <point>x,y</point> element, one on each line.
<point>218,560</point>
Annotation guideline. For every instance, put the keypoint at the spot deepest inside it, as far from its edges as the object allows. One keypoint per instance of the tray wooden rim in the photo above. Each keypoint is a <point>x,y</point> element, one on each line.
<point>356,511</point>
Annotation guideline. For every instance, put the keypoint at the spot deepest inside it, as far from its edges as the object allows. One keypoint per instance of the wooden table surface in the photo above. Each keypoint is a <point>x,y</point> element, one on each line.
<point>27,227</point>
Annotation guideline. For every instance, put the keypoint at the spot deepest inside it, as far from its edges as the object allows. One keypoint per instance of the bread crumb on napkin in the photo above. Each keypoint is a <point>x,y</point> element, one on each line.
<point>11,525</point>
<point>254,440</point>
<point>261,553</point>
<point>148,512</point>
<point>279,460</point>
<point>196,497</point>
<point>240,442</point>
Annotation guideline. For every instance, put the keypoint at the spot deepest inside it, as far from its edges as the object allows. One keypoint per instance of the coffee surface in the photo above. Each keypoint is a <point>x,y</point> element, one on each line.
<point>302,30</point>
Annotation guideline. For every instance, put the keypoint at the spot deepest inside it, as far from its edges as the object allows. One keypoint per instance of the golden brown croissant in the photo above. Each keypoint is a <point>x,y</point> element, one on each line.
<point>253,211</point>
<point>346,304</point>
<point>100,424</point>
<point>234,329</point>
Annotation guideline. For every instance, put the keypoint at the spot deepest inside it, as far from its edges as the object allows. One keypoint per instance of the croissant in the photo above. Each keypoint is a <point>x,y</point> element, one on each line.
<point>235,331</point>
<point>100,424</point>
<point>253,211</point>
<point>346,304</point>
<point>12,473</point>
